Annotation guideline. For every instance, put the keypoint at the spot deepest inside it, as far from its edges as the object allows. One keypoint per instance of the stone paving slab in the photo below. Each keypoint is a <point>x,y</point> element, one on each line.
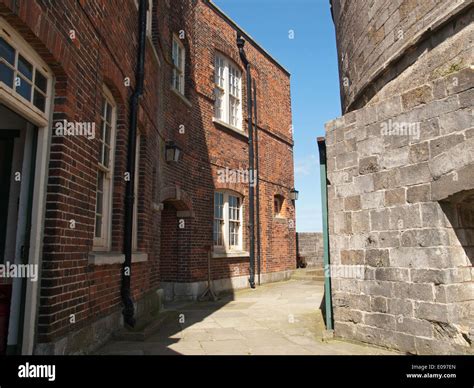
<point>273,319</point>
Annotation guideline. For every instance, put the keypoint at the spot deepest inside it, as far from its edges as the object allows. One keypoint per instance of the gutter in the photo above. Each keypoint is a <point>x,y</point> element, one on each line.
<point>128,306</point>
<point>326,258</point>
<point>257,177</point>
<point>243,57</point>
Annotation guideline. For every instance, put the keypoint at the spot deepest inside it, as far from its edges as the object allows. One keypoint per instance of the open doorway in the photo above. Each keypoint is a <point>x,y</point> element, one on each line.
<point>17,157</point>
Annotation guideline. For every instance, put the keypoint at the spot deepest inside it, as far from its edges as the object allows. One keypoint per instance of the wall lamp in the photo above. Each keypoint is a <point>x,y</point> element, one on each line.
<point>173,152</point>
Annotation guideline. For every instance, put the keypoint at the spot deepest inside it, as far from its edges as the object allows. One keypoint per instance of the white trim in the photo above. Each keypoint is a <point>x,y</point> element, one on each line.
<point>228,67</point>
<point>181,69</point>
<point>226,248</point>
<point>14,99</point>
<point>42,121</point>
<point>104,242</point>
<point>110,258</point>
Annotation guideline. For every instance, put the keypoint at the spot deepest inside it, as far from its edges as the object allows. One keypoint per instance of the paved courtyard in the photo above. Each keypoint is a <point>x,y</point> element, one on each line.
<point>274,319</point>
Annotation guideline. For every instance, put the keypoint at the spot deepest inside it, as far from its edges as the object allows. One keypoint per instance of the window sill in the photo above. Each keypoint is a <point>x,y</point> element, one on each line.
<point>219,255</point>
<point>181,96</point>
<point>236,130</point>
<point>109,258</point>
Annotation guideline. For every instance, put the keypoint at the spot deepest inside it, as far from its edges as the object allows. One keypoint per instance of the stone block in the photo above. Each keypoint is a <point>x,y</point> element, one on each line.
<point>415,327</point>
<point>442,144</point>
<point>360,222</point>
<point>419,152</point>
<point>348,315</point>
<point>370,147</point>
<point>392,274</point>
<point>415,291</point>
<point>372,200</point>
<point>400,307</point>
<point>377,288</point>
<point>416,257</point>
<point>380,219</point>
<point>424,238</point>
<point>394,158</point>
<point>417,96</point>
<point>435,276</point>
<point>346,160</point>
<point>387,179</point>
<point>380,320</point>
<point>415,174</point>
<point>379,304</point>
<point>352,203</point>
<point>456,121</point>
<point>395,197</point>
<point>416,194</point>
<point>438,312</point>
<point>455,158</point>
<point>368,165</point>
<point>377,257</point>
<point>352,257</point>
<point>405,217</point>
<point>389,239</point>
<point>432,216</point>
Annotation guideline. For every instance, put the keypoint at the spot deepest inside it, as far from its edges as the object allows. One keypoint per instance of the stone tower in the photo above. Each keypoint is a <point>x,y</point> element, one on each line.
<point>400,167</point>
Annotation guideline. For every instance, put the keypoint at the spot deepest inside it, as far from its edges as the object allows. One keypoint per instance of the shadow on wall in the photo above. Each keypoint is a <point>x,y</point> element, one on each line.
<point>459,209</point>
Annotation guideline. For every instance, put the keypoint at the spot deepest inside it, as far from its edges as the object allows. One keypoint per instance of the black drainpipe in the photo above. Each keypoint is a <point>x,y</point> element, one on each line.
<point>243,57</point>
<point>259,264</point>
<point>128,307</point>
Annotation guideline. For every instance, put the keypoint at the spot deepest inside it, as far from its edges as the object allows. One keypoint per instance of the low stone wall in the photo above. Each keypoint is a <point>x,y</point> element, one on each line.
<point>310,246</point>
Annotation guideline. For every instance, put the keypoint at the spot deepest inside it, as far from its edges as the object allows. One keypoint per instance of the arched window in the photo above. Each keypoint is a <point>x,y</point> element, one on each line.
<point>278,205</point>
<point>228,221</point>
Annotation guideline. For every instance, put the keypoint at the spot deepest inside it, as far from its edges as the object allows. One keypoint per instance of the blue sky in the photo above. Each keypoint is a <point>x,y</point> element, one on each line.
<point>311,58</point>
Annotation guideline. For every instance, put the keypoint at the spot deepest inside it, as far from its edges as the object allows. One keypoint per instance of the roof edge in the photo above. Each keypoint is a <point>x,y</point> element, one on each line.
<point>229,20</point>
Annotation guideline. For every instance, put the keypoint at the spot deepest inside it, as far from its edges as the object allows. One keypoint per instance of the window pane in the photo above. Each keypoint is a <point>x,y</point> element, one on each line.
<point>108,116</point>
<point>219,104</point>
<point>98,226</point>
<point>41,82</point>
<point>7,52</point>
<point>39,100</point>
<point>25,67</point>
<point>6,75</point>
<point>23,88</point>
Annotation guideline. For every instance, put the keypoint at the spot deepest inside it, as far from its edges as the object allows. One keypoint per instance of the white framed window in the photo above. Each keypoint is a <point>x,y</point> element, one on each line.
<point>103,209</point>
<point>228,92</point>
<point>228,221</point>
<point>23,75</point>
<point>179,58</point>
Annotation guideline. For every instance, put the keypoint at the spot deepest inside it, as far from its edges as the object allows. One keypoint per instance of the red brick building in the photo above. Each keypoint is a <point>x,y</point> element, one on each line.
<point>67,76</point>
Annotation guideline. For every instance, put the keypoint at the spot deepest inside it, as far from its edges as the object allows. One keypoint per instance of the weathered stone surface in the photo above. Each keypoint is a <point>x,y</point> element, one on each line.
<point>395,158</point>
<point>415,291</point>
<point>353,257</point>
<point>400,307</point>
<point>368,165</point>
<point>352,203</point>
<point>417,96</point>
<point>372,200</point>
<point>360,221</point>
<point>389,239</point>
<point>380,219</point>
<point>392,274</point>
<point>421,193</point>
<point>377,257</point>
<point>405,217</point>
<point>442,144</point>
<point>433,311</point>
<point>380,320</point>
<point>416,327</point>
<point>424,238</point>
<point>415,174</point>
<point>395,197</point>
<point>419,152</point>
<point>379,304</point>
<point>387,179</point>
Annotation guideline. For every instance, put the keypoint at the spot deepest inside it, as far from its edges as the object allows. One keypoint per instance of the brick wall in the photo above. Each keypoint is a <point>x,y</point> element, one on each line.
<point>104,53</point>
